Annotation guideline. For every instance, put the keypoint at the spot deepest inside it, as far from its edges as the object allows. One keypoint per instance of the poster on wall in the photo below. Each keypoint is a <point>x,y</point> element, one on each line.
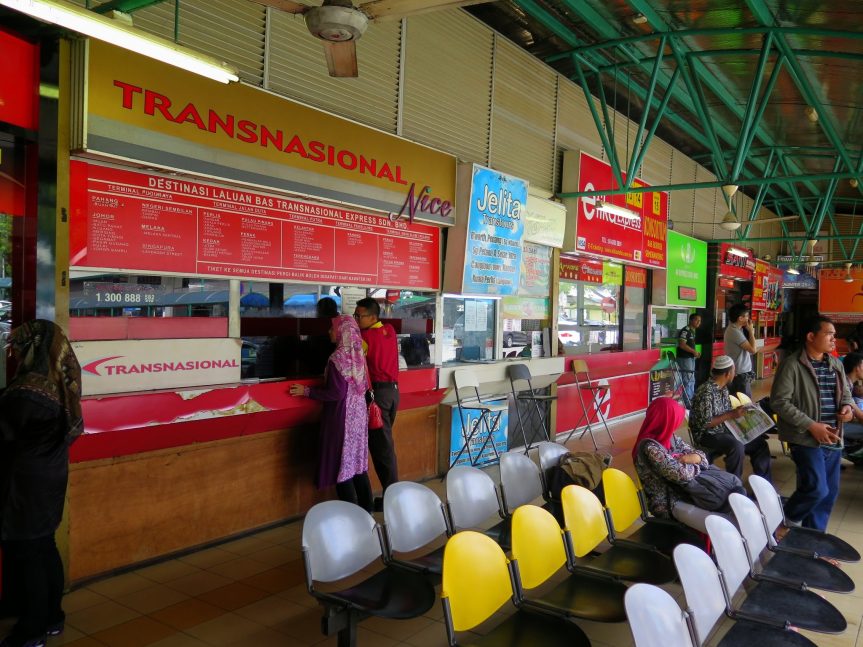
<point>535,275</point>
<point>766,286</point>
<point>837,297</point>
<point>545,222</point>
<point>591,271</point>
<point>495,232</point>
<point>130,221</point>
<point>686,278</point>
<point>736,262</point>
<point>630,227</point>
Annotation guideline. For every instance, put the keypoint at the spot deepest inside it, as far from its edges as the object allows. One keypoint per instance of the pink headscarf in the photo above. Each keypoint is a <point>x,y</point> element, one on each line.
<point>348,357</point>
<point>663,417</point>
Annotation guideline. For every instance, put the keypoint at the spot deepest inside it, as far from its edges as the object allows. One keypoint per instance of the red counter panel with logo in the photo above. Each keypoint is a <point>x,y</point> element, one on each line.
<point>625,374</point>
<point>126,220</point>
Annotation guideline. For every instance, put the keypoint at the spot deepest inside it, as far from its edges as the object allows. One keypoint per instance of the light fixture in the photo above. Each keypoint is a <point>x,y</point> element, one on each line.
<point>793,270</point>
<point>848,278</point>
<point>811,114</point>
<point>639,19</point>
<point>853,182</point>
<point>105,29</point>
<point>767,257</point>
<point>617,211</point>
<point>729,222</point>
<point>737,252</point>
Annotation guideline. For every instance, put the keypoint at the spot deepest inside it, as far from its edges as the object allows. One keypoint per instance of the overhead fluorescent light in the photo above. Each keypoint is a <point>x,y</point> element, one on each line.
<point>88,23</point>
<point>738,252</point>
<point>607,207</point>
<point>793,270</point>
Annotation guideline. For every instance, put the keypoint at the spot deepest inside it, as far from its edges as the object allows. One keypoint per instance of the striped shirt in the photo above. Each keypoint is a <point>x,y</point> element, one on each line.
<point>826,390</point>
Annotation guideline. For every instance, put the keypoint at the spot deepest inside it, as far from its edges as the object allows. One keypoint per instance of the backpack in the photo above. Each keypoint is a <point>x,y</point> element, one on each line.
<point>711,488</point>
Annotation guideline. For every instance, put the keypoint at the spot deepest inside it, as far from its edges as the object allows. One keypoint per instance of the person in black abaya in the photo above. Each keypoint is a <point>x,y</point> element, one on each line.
<point>40,417</point>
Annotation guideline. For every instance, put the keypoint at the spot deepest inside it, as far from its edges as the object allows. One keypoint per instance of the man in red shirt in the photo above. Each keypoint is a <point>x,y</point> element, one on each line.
<point>382,356</point>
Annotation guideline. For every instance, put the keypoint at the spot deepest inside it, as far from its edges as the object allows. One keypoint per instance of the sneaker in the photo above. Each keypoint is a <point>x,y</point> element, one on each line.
<point>56,629</point>
<point>11,641</point>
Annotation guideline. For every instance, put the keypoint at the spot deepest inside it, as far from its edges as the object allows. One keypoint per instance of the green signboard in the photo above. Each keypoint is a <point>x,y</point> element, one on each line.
<point>686,278</point>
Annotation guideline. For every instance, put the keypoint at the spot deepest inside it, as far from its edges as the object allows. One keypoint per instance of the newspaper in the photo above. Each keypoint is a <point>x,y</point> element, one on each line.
<point>748,427</point>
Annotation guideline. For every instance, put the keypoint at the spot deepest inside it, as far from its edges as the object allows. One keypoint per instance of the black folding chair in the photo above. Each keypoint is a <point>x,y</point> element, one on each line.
<point>535,402</point>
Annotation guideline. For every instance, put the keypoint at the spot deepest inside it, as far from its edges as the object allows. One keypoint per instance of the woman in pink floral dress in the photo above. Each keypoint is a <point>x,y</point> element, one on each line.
<point>343,446</point>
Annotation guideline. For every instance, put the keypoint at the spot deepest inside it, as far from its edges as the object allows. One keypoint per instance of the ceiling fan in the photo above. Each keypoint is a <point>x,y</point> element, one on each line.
<point>730,222</point>
<point>340,24</point>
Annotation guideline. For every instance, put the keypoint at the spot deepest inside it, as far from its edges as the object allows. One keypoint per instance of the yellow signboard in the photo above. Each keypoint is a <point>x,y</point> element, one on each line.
<point>142,109</point>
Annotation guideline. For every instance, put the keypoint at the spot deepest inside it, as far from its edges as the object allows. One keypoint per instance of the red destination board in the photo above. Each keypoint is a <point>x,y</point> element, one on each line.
<point>126,220</point>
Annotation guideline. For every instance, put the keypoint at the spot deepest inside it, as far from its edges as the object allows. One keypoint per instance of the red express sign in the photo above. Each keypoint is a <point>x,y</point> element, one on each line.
<point>141,222</point>
<point>640,238</point>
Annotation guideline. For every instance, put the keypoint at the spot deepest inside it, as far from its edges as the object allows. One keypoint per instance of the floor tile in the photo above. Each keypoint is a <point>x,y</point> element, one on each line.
<point>277,579</point>
<point>152,598</point>
<point>99,617</point>
<point>271,611</point>
<point>227,629</point>
<point>120,585</point>
<point>274,555</point>
<point>139,632</point>
<point>233,596</point>
<point>207,558</point>
<point>81,599</point>
<point>181,640</point>
<point>167,571</point>
<point>198,583</point>
<point>85,642</point>
<point>246,545</point>
<point>237,569</point>
<point>188,613</point>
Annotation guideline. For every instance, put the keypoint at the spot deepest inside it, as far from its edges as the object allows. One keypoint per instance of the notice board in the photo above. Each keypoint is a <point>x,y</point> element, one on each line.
<point>142,222</point>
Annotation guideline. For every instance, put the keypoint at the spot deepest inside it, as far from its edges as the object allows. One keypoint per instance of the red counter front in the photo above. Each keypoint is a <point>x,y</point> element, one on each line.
<point>161,472</point>
<point>627,376</point>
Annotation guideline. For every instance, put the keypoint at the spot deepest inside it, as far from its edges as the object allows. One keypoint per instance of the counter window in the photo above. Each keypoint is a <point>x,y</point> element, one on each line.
<point>469,325</point>
<point>589,319</point>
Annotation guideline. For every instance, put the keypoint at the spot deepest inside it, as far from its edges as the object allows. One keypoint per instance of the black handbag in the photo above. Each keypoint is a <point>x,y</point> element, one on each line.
<point>711,488</point>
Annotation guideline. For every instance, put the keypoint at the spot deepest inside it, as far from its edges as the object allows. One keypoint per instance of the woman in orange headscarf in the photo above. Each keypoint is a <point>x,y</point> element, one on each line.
<point>661,458</point>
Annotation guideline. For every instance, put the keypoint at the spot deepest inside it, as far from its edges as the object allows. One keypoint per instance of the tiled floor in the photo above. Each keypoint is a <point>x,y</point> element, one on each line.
<point>251,591</point>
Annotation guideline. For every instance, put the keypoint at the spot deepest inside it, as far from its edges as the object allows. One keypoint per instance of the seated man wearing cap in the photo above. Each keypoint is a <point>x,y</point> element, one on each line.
<point>711,407</point>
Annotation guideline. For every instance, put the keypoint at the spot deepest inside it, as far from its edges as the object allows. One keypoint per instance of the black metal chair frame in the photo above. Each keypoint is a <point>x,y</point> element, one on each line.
<point>520,372</point>
<point>583,381</point>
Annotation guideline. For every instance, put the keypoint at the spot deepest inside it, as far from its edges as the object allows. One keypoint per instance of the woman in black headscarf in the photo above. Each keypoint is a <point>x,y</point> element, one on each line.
<point>40,417</point>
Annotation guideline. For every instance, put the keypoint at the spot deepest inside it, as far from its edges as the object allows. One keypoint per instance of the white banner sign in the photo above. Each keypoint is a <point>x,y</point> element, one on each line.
<point>149,364</point>
<point>545,222</point>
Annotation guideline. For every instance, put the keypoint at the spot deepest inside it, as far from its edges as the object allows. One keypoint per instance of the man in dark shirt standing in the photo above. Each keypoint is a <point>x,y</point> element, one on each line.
<point>382,356</point>
<point>811,398</point>
<point>686,356</point>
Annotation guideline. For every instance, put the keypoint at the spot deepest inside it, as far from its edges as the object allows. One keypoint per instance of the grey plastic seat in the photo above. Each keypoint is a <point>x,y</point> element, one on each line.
<point>706,605</point>
<point>471,499</point>
<point>655,619</point>
<point>549,455</point>
<point>523,391</point>
<point>784,568</point>
<point>520,481</point>
<point>768,601</point>
<point>804,541</point>
<point>341,539</point>
<point>481,428</point>
<point>414,518</point>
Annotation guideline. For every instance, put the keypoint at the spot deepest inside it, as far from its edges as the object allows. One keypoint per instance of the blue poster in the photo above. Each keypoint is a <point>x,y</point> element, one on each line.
<point>478,454</point>
<point>495,229</point>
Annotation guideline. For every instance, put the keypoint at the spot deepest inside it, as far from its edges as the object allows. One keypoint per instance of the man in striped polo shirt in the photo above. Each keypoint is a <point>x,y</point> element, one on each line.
<point>812,399</point>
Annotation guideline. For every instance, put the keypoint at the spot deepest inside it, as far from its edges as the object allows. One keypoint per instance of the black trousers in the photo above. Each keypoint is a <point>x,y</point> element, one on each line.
<point>727,445</point>
<point>740,384</point>
<point>33,573</point>
<point>356,490</point>
<point>381,446</point>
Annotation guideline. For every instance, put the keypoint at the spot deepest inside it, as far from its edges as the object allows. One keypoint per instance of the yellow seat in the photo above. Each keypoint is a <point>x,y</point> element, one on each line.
<point>626,507</point>
<point>587,527</point>
<point>734,401</point>
<point>539,552</point>
<point>477,582</point>
<point>743,398</point>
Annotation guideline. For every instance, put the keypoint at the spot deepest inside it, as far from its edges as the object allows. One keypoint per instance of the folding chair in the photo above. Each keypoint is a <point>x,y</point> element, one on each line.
<point>767,601</point>
<point>784,568</point>
<point>597,393</point>
<point>803,541</point>
<point>414,519</point>
<point>488,416</point>
<point>478,580</point>
<point>706,605</point>
<point>521,373</point>
<point>341,540</point>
